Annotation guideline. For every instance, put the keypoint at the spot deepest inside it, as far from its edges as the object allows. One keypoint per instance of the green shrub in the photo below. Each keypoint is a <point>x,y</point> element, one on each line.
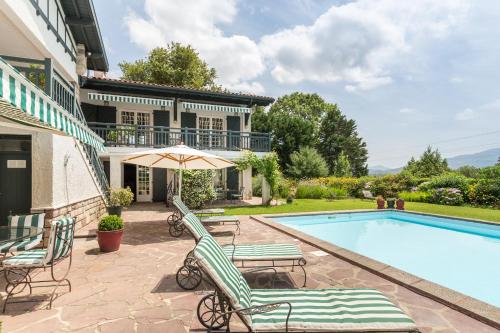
<point>311,192</point>
<point>121,197</point>
<point>447,196</point>
<point>110,223</point>
<point>418,196</point>
<point>334,193</point>
<point>307,163</point>
<point>197,187</point>
<point>491,172</point>
<point>257,186</point>
<point>447,180</point>
<point>284,187</point>
<point>485,193</point>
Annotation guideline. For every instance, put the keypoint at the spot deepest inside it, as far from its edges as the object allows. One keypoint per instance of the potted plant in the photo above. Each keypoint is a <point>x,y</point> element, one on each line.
<point>118,198</point>
<point>400,204</point>
<point>110,233</point>
<point>380,202</point>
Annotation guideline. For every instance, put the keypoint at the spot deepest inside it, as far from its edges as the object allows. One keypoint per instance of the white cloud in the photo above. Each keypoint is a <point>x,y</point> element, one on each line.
<point>407,110</point>
<point>466,114</point>
<point>236,58</point>
<point>359,42</point>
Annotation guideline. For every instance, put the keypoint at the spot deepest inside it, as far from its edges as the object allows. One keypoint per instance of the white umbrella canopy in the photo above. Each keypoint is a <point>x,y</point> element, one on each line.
<point>179,157</point>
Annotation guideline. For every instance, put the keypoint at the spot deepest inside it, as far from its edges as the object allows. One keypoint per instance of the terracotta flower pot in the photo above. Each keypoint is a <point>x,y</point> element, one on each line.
<point>109,241</point>
<point>380,203</point>
<point>400,204</point>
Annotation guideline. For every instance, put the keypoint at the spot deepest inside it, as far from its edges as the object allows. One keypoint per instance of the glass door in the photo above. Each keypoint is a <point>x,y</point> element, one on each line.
<point>144,184</point>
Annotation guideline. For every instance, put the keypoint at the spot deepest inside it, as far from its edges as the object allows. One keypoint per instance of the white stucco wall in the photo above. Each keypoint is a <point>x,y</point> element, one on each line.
<point>72,180</point>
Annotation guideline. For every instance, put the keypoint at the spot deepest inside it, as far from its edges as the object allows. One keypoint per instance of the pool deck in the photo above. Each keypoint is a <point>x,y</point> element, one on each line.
<point>134,289</point>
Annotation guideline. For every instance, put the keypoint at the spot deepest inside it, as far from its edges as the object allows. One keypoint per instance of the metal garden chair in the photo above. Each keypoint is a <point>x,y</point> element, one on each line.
<point>18,269</point>
<point>20,222</point>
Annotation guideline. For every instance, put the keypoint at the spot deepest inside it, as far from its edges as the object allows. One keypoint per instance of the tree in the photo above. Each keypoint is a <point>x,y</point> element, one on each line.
<point>469,171</point>
<point>294,122</point>
<point>342,167</point>
<point>307,163</point>
<point>176,65</point>
<point>430,164</point>
<point>338,135</point>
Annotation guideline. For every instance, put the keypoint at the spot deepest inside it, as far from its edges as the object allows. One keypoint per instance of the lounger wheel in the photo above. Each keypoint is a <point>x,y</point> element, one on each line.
<point>172,219</point>
<point>188,277</point>
<point>210,310</point>
<point>176,230</point>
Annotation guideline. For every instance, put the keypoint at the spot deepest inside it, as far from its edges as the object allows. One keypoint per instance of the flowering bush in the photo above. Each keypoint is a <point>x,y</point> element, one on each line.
<point>197,187</point>
<point>485,193</point>
<point>447,196</point>
<point>415,196</point>
<point>447,180</point>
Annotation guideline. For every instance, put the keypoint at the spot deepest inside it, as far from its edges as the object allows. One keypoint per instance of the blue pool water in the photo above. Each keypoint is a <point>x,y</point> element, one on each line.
<point>458,254</point>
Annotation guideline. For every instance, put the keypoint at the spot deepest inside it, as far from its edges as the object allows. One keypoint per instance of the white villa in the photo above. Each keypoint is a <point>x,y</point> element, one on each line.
<point>65,127</point>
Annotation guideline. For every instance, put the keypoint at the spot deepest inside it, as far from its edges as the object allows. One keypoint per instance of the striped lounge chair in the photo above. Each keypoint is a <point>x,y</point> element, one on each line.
<point>19,268</point>
<point>175,220</point>
<point>317,310</point>
<point>21,221</point>
<point>261,255</point>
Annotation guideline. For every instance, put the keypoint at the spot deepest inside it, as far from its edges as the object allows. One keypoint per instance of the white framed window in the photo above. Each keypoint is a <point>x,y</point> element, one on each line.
<point>211,131</point>
<point>128,117</point>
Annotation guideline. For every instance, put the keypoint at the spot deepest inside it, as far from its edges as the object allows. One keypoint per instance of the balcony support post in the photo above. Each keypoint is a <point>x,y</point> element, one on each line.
<point>48,76</point>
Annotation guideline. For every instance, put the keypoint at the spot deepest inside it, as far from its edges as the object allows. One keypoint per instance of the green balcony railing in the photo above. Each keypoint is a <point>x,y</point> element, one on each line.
<point>160,136</point>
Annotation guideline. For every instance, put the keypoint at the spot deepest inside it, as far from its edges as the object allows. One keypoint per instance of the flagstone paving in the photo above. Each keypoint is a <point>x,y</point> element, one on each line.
<point>134,289</point>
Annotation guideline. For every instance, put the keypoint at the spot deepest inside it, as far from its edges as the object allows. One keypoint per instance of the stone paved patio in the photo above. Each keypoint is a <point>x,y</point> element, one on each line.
<point>134,290</point>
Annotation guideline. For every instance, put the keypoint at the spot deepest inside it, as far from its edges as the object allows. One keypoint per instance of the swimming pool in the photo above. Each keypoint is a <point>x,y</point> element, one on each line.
<point>458,254</point>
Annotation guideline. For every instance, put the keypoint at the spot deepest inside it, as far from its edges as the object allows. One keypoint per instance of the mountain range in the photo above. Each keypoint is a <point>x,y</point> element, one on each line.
<point>479,160</point>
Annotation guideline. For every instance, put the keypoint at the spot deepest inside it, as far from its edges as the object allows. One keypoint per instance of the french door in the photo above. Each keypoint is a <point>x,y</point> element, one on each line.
<point>139,132</point>
<point>144,184</point>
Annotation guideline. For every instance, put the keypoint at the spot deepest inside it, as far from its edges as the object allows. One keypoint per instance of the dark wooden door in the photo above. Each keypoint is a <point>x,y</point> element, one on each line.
<point>15,176</point>
<point>233,132</point>
<point>233,181</point>
<point>159,184</point>
<point>188,121</point>
<point>130,178</point>
<point>161,134</point>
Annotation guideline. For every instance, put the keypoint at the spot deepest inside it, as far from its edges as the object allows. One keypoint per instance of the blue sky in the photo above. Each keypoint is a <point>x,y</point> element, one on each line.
<point>409,73</point>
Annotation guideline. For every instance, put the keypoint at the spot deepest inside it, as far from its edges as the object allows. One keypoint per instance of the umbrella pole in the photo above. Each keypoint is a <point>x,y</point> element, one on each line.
<point>180,182</point>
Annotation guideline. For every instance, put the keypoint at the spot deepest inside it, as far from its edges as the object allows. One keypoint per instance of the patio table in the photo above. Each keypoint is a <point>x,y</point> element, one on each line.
<point>9,234</point>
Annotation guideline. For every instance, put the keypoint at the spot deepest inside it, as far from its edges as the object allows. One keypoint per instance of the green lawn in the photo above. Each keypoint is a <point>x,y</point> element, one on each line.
<point>312,205</point>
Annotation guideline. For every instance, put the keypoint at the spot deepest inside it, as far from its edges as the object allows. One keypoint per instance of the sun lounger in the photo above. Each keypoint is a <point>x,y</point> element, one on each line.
<point>176,227</point>
<point>260,255</point>
<point>284,310</point>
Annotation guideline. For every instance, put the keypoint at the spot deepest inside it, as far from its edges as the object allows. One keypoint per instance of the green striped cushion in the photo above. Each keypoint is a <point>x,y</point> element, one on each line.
<point>330,310</point>
<point>194,225</point>
<point>60,245</point>
<point>209,211</point>
<point>26,258</point>
<point>180,205</point>
<point>22,221</point>
<point>225,219</point>
<point>262,251</point>
<point>215,263</point>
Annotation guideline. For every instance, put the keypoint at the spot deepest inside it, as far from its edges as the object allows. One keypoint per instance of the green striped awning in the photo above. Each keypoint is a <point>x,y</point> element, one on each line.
<point>131,99</point>
<point>214,107</point>
<point>24,102</point>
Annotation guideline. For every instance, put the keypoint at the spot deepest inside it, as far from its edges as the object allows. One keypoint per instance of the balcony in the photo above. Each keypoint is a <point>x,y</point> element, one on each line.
<point>116,135</point>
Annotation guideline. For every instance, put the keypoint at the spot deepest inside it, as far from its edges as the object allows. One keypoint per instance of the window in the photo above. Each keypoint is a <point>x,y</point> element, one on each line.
<point>142,118</point>
<point>128,117</point>
<point>211,131</point>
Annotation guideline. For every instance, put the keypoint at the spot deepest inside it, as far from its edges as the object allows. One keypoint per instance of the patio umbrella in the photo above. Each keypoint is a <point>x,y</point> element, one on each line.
<point>179,157</point>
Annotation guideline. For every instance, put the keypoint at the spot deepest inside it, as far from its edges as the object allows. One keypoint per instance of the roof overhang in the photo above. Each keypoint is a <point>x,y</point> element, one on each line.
<point>137,88</point>
<point>82,20</point>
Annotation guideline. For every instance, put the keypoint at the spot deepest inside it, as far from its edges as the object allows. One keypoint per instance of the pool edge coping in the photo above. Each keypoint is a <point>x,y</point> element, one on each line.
<point>474,308</point>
